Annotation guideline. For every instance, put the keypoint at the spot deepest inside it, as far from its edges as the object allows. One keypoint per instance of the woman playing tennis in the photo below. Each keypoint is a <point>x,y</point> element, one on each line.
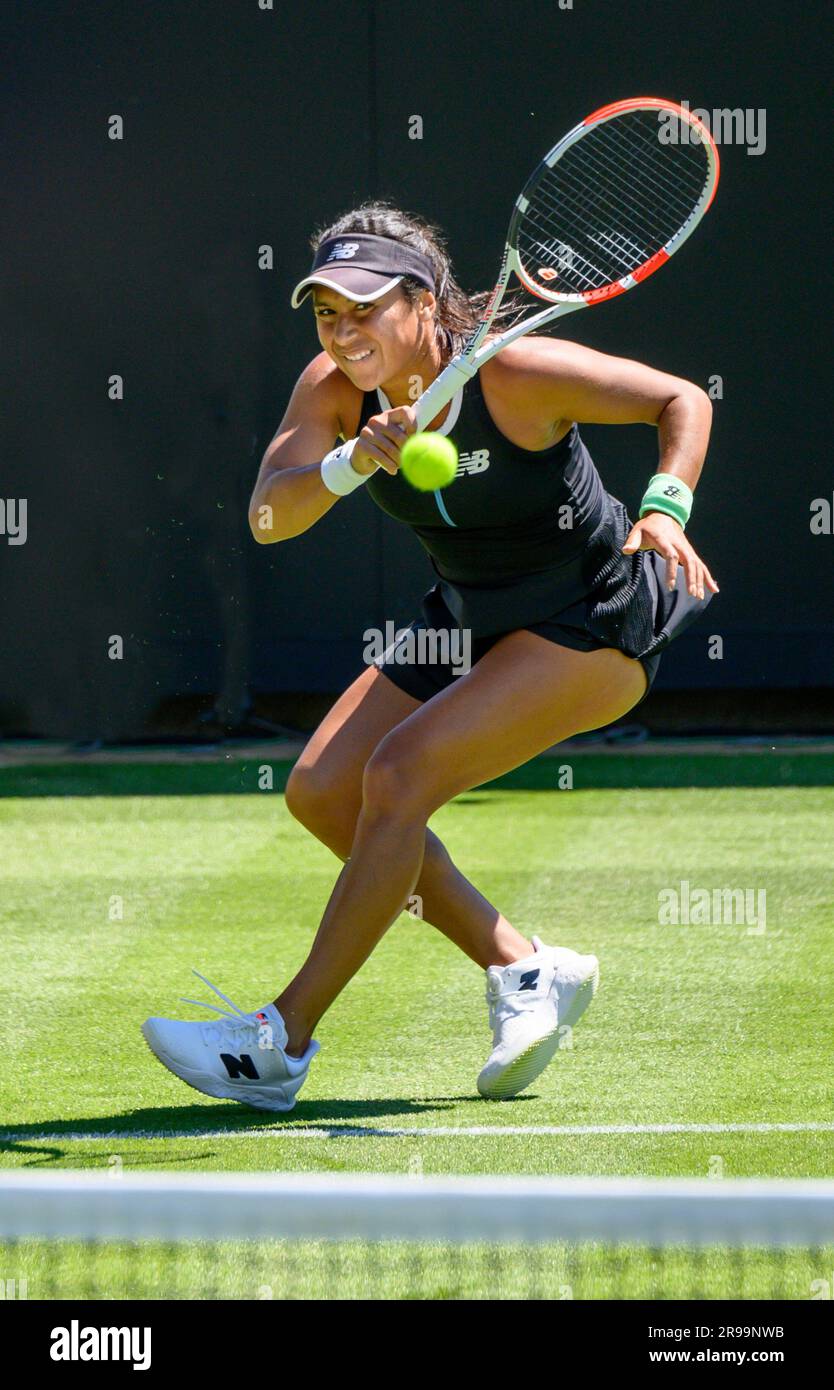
<point>568,605</point>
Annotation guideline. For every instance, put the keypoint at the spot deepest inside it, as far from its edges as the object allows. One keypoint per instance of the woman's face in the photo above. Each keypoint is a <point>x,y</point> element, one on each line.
<point>372,343</point>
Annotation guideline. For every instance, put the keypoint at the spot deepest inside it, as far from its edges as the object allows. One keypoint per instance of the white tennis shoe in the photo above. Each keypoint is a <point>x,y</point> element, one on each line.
<point>533,1005</point>
<point>240,1057</point>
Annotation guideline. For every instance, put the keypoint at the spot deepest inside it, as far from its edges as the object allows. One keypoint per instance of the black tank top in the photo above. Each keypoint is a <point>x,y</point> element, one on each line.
<point>520,534</point>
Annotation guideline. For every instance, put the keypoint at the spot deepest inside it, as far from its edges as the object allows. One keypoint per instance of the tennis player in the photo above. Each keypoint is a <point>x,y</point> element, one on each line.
<point>568,604</point>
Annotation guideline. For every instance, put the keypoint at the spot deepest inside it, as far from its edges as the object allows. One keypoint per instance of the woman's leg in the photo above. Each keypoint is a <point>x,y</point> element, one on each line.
<point>524,695</point>
<point>324,793</point>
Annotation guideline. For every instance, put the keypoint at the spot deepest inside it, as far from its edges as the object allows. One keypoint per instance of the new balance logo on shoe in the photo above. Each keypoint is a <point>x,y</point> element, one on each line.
<point>529,979</point>
<point>239,1066</point>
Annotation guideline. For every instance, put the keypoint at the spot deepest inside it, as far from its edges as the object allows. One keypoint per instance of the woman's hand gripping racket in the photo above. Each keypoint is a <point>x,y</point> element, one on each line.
<point>606,208</point>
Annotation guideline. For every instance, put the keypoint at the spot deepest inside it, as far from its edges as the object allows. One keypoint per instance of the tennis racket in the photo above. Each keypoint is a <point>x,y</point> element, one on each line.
<point>606,208</point>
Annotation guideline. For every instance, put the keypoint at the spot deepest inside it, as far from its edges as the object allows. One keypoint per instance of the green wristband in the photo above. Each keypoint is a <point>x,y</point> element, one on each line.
<point>668,494</point>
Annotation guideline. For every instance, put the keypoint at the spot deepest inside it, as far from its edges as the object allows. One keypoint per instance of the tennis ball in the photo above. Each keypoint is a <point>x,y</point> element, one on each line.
<point>428,461</point>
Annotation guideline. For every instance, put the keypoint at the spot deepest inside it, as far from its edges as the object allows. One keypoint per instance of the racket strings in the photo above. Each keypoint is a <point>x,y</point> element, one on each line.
<point>611,202</point>
<point>677,195</point>
<point>637,165</point>
<point>616,247</point>
<point>567,254</point>
<point>577,202</point>
<point>629,235</point>
<point>669,199</point>
<point>577,247</point>
<point>689,167</point>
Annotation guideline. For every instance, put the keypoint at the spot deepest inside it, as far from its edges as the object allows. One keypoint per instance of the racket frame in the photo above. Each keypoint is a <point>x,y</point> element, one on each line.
<point>473,355</point>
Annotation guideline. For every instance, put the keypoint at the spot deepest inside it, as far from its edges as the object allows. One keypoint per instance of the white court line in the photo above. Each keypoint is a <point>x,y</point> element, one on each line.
<point>427,1131</point>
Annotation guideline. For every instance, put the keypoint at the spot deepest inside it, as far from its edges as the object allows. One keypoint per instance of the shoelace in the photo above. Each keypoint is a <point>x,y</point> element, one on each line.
<point>509,997</point>
<point>239,1017</point>
<point>496,997</point>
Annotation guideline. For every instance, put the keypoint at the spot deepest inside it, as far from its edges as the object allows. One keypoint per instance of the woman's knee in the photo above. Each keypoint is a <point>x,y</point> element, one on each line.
<point>299,794</point>
<point>318,802</point>
<point>393,785</point>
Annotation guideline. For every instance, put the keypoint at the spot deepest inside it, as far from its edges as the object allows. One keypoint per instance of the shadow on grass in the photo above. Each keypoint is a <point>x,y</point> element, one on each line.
<point>341,1119</point>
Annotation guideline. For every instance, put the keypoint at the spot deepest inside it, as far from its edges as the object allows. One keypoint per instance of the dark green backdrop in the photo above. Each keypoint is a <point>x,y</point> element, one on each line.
<point>246,126</point>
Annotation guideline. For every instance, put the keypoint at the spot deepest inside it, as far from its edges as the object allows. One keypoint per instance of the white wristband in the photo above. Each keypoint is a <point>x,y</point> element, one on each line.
<point>337,474</point>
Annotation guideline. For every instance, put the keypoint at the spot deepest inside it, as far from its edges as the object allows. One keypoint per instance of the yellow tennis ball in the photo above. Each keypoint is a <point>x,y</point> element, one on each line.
<point>428,461</point>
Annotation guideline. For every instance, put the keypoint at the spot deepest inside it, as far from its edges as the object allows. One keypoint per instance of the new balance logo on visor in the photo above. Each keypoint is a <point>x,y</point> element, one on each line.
<point>239,1066</point>
<point>474,462</point>
<point>529,979</point>
<point>343,251</point>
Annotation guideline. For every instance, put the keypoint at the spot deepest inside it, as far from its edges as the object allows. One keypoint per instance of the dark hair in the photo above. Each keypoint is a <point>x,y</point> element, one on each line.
<point>457,312</point>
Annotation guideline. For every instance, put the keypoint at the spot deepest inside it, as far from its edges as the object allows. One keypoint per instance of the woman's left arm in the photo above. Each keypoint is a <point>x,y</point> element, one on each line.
<point>558,382</point>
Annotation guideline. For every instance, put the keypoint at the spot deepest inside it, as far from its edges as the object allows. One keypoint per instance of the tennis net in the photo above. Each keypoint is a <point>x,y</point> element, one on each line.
<point>82,1235</point>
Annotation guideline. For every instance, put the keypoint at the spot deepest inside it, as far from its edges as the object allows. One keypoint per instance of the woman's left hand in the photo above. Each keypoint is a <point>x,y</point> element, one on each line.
<point>657,531</point>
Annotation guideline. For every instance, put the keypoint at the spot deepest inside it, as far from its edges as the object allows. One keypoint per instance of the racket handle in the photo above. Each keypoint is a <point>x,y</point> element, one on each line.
<point>459,371</point>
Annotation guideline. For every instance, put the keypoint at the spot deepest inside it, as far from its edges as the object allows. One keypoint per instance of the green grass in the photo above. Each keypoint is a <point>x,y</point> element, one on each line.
<point>107,900</point>
<point>356,1270</point>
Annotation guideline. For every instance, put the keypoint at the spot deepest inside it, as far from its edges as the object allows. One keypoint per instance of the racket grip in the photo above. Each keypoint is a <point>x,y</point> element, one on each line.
<point>459,371</point>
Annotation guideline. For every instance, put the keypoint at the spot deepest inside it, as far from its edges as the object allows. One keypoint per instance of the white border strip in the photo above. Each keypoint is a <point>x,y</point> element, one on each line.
<point>284,1131</point>
<point>250,1206</point>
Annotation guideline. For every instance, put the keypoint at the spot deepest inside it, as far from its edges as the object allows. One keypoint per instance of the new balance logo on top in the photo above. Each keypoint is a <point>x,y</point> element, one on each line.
<point>529,979</point>
<point>343,251</point>
<point>474,462</point>
<point>239,1066</point>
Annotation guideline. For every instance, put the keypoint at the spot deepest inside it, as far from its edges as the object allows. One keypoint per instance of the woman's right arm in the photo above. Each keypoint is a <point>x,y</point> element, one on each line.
<point>289,495</point>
